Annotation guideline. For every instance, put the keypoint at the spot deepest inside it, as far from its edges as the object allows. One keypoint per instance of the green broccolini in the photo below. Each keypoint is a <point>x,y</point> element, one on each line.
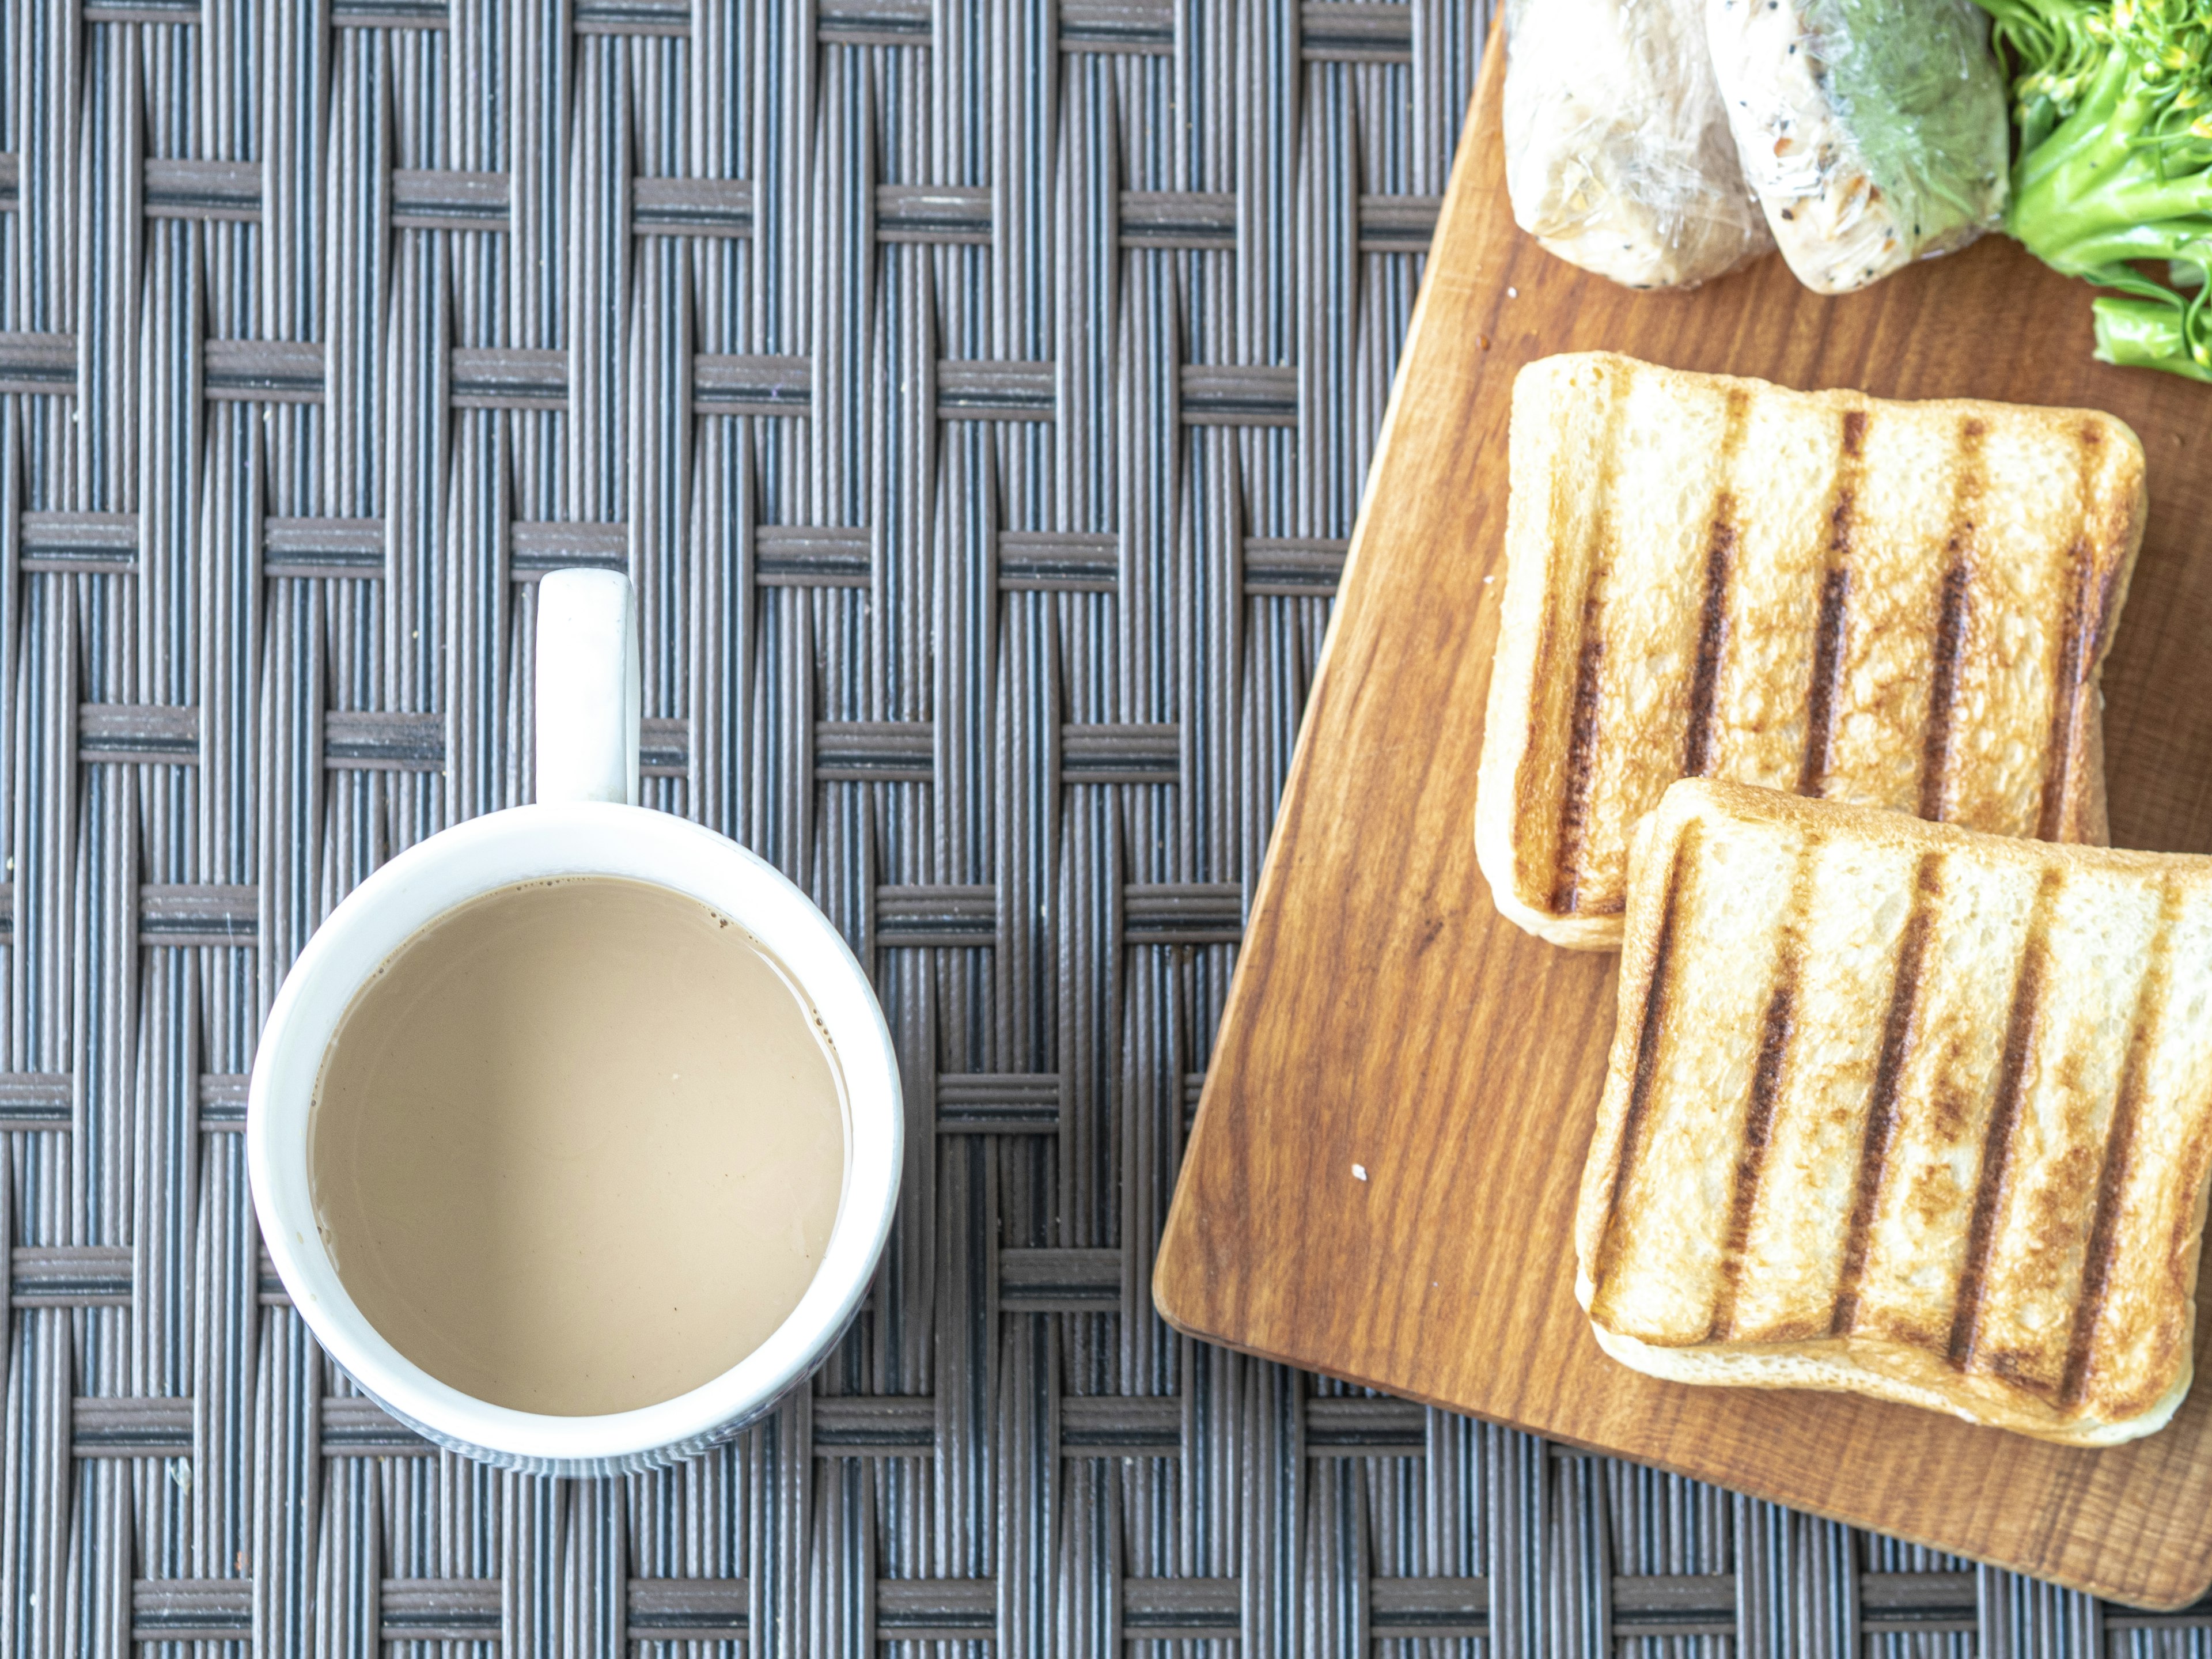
<point>2113,100</point>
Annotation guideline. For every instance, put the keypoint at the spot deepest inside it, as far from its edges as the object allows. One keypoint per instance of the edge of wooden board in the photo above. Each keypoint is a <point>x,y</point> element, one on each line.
<point>1190,1296</point>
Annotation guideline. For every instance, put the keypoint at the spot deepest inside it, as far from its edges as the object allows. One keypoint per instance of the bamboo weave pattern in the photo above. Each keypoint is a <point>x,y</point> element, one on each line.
<point>978,393</point>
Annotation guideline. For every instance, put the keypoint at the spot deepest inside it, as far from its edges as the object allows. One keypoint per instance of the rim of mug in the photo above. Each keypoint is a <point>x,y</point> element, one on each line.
<point>483,856</point>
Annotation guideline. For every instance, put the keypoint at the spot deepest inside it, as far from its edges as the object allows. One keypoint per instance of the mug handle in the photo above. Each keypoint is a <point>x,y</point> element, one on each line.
<point>588,690</point>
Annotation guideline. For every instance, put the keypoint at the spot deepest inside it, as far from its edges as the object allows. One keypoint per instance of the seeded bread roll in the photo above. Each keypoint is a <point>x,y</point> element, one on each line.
<point>1873,131</point>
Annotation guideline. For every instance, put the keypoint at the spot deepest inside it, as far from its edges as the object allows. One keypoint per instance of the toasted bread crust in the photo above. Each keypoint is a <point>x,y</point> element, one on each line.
<point>1911,1379</point>
<point>1904,1109</point>
<point>1888,604</point>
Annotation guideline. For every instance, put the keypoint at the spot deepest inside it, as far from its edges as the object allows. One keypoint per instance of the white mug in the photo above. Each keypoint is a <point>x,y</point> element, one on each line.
<point>585,822</point>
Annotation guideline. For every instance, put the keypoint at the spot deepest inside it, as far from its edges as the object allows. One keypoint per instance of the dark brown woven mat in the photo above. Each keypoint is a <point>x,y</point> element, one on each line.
<point>979,392</point>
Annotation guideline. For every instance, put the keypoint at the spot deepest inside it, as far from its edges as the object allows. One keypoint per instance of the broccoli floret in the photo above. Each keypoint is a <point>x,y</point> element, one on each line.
<point>2113,102</point>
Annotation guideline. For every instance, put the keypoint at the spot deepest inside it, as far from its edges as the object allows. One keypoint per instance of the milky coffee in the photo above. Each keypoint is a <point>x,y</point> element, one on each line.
<point>577,1146</point>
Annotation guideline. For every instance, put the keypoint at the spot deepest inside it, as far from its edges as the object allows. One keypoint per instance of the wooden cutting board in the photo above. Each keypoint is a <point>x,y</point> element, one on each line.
<point>1383,1015</point>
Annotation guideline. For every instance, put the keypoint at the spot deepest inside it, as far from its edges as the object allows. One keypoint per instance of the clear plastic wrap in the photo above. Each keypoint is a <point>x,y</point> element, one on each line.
<point>1873,130</point>
<point>1618,155</point>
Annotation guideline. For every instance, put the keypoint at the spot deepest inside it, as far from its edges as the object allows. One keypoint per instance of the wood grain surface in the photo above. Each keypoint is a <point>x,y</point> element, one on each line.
<point>1384,1015</point>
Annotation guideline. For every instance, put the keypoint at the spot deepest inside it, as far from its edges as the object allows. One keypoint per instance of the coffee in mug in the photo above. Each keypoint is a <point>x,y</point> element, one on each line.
<point>544,1153</point>
<point>578,1145</point>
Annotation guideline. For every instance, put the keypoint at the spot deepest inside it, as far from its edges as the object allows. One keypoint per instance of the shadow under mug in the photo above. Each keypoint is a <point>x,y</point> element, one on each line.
<point>585,822</point>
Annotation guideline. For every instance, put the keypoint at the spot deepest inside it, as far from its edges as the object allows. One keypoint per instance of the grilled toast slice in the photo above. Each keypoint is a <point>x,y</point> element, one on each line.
<point>1899,1109</point>
<point>1894,605</point>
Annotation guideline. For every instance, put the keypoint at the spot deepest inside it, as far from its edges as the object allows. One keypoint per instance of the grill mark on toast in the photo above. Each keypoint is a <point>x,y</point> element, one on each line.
<point>1855,422</point>
<point>1590,665</point>
<point>1751,1161</point>
<point>1835,595</point>
<point>1581,741</point>
<point>2066,697</point>
<point>1951,626</point>
<point>1950,639</point>
<point>1881,1131</point>
<point>2082,629</point>
<point>2115,530</point>
<point>1766,1079</point>
<point>1528,799</point>
<point>2119,1151</point>
<point>1720,576</point>
<point>1828,677</point>
<point>2004,1114</point>
<point>1712,636</point>
<point>1646,1074</point>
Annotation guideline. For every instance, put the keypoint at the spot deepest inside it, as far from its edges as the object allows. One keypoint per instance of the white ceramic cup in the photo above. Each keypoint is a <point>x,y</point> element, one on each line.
<point>586,822</point>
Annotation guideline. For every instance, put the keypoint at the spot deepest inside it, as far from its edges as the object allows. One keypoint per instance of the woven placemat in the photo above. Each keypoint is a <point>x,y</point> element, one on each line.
<point>978,393</point>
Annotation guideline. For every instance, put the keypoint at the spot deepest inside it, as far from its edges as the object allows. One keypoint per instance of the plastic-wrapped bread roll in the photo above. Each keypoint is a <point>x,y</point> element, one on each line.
<point>1617,156</point>
<point>1873,130</point>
